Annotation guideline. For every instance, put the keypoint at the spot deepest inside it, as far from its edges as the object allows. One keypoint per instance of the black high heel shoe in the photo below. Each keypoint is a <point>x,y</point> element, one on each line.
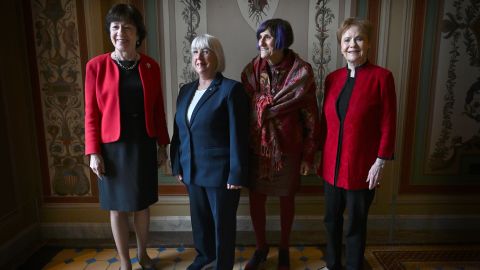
<point>148,264</point>
<point>258,259</point>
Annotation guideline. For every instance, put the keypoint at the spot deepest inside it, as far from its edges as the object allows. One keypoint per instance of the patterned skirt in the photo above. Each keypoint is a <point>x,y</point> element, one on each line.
<point>284,182</point>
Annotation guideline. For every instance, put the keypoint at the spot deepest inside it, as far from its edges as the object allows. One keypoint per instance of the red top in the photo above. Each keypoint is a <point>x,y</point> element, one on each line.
<point>368,129</point>
<point>102,104</point>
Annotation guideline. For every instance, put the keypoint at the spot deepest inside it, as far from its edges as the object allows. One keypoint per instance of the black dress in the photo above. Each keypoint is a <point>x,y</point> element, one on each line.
<point>130,182</point>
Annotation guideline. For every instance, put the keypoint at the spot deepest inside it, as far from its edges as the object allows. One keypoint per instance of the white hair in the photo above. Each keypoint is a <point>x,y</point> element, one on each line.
<point>206,41</point>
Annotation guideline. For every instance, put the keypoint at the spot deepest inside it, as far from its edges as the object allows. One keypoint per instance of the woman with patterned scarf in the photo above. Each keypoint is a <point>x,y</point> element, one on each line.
<point>284,127</point>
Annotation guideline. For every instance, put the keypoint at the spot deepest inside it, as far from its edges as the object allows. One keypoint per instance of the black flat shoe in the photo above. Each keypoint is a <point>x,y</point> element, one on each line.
<point>258,259</point>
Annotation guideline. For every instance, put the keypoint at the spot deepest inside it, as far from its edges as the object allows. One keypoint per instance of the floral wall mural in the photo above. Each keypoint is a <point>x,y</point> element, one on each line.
<point>57,49</point>
<point>323,18</point>
<point>442,134</point>
<point>256,11</point>
<point>190,22</point>
<point>457,100</point>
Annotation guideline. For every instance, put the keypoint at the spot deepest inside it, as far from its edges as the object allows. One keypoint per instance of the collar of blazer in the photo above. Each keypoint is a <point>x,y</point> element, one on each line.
<point>214,85</point>
<point>211,89</point>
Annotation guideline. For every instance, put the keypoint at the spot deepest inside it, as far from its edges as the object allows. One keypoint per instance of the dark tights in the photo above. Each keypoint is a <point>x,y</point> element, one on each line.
<point>258,214</point>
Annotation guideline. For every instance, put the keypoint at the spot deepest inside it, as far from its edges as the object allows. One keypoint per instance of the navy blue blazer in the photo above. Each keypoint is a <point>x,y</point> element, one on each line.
<point>212,149</point>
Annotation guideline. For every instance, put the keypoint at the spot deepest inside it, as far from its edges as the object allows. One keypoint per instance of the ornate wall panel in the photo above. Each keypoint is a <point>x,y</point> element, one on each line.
<point>58,49</point>
<point>255,12</point>
<point>442,138</point>
<point>190,20</point>
<point>323,51</point>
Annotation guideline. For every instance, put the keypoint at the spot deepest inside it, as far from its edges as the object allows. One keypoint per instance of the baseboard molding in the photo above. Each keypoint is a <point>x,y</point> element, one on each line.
<point>381,229</point>
<point>20,247</point>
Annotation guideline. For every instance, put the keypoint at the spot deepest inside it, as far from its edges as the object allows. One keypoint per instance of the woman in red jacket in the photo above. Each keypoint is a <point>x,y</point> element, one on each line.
<point>358,136</point>
<point>124,123</point>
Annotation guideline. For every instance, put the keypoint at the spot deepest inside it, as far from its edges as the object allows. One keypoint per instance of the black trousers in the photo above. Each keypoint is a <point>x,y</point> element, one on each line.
<point>357,203</point>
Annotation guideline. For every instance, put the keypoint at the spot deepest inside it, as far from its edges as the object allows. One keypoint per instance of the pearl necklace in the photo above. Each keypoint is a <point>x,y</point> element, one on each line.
<point>117,59</point>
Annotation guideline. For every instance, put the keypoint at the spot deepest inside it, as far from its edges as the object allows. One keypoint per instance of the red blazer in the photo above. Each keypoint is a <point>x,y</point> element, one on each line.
<point>368,129</point>
<point>102,106</point>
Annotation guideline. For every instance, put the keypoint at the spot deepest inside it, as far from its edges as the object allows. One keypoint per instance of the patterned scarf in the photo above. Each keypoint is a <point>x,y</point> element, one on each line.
<point>289,97</point>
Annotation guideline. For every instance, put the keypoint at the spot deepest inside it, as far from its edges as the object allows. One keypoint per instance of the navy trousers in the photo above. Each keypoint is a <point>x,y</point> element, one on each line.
<point>357,203</point>
<point>214,221</point>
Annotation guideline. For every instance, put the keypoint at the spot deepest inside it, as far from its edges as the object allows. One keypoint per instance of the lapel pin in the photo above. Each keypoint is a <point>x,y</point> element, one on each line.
<point>148,65</point>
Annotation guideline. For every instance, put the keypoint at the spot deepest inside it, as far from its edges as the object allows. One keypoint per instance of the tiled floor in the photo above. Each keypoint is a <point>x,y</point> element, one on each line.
<point>382,257</point>
<point>176,258</point>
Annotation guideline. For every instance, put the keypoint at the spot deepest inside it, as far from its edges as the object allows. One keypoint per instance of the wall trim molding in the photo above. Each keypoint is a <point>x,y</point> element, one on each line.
<point>383,33</point>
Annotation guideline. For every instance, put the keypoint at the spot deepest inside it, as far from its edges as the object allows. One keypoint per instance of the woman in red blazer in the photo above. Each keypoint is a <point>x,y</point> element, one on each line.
<point>124,123</point>
<point>358,136</point>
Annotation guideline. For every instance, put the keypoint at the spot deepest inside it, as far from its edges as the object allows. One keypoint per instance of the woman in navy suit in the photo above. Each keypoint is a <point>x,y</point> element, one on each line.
<point>209,153</point>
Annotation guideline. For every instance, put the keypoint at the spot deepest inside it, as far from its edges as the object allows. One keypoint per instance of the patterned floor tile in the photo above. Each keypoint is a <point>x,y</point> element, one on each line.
<point>304,258</point>
<point>446,257</point>
<point>106,254</point>
<point>99,265</point>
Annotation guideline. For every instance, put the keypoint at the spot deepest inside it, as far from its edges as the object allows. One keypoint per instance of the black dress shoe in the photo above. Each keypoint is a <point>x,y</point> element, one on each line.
<point>258,259</point>
<point>198,265</point>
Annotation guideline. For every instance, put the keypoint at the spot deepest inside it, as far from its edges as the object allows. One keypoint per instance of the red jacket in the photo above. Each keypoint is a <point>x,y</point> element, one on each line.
<point>368,129</point>
<point>102,104</point>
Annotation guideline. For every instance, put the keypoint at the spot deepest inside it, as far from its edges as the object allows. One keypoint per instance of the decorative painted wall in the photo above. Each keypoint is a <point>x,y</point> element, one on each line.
<point>190,21</point>
<point>456,98</point>
<point>256,11</point>
<point>58,54</point>
<point>444,99</point>
<point>323,54</point>
<point>235,26</point>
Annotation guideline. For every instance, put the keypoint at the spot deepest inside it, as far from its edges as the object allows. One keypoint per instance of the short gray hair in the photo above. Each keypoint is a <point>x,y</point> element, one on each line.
<point>206,41</point>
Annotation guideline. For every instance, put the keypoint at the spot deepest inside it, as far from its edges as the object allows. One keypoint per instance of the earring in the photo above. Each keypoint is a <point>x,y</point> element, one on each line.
<point>138,42</point>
